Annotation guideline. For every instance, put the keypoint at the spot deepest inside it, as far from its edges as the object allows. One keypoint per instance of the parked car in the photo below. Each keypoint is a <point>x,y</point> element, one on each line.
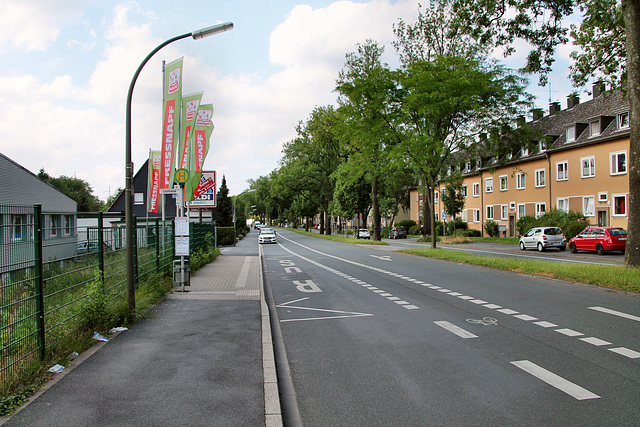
<point>91,246</point>
<point>599,239</point>
<point>397,233</point>
<point>267,235</point>
<point>363,233</point>
<point>542,238</point>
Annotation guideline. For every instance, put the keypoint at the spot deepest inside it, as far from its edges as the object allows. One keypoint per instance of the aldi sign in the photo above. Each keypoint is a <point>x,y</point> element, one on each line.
<point>206,191</point>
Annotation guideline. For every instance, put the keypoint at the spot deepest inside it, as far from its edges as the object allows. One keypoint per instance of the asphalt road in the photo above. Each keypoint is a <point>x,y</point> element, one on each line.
<point>376,337</point>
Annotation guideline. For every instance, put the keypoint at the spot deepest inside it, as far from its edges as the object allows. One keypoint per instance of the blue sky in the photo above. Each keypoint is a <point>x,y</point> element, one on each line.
<point>67,65</point>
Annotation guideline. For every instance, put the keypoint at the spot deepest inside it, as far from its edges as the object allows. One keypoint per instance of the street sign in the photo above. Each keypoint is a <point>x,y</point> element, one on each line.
<point>208,198</point>
<point>182,176</point>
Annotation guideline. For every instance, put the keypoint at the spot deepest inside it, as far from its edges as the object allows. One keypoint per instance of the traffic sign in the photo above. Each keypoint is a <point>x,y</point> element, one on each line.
<point>182,175</point>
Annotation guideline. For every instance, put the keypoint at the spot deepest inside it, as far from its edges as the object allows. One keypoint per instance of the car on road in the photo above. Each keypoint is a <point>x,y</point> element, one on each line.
<point>397,233</point>
<point>542,238</point>
<point>267,235</point>
<point>363,233</point>
<point>599,239</point>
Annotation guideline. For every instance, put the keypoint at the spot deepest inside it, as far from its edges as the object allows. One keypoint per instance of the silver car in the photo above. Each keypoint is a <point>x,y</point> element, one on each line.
<point>542,238</point>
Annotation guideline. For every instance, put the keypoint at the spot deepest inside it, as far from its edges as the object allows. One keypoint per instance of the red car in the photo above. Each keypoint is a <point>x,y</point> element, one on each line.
<point>599,239</point>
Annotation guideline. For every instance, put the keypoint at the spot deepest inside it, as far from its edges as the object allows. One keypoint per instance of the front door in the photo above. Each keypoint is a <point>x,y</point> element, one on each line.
<point>512,225</point>
<point>603,217</point>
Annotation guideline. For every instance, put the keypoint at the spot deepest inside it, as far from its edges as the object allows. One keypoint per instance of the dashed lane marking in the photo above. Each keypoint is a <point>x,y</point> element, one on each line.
<point>556,381</point>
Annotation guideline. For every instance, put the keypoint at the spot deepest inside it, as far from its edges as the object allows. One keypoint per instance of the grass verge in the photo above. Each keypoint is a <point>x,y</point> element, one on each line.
<point>338,238</point>
<point>617,277</point>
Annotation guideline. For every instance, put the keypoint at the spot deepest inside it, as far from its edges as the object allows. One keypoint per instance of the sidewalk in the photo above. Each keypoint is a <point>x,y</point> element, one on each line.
<point>204,358</point>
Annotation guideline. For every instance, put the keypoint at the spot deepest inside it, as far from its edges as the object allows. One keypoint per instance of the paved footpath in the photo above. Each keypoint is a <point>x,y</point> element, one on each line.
<point>205,358</point>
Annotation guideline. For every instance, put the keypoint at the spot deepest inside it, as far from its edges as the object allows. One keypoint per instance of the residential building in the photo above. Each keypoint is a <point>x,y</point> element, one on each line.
<point>580,165</point>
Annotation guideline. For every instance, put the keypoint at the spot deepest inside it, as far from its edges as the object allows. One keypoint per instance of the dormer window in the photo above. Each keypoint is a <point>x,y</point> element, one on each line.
<point>623,120</point>
<point>525,152</point>
<point>571,134</point>
<point>542,146</point>
<point>594,128</point>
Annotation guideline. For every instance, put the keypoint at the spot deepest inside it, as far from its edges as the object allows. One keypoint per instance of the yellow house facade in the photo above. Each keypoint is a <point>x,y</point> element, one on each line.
<point>583,167</point>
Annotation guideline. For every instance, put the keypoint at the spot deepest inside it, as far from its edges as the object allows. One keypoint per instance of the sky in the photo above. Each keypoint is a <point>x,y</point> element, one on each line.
<point>68,65</point>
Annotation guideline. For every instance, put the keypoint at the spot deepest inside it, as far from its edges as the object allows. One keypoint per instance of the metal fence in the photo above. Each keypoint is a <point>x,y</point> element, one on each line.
<point>52,262</point>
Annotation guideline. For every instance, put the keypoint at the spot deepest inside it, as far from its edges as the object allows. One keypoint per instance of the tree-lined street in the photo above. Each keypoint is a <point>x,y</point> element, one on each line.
<point>375,337</point>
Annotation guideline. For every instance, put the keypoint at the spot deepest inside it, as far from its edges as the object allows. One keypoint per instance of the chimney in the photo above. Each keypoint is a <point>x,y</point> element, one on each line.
<point>598,88</point>
<point>554,108</point>
<point>572,100</point>
<point>537,114</point>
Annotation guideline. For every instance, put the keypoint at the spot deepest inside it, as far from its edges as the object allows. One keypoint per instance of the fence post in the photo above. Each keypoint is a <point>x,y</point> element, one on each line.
<point>37,245</point>
<point>158,245</point>
<point>135,251</point>
<point>101,250</point>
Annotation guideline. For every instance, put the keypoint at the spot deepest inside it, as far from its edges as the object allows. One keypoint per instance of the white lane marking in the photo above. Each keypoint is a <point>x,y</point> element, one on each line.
<point>382,257</point>
<point>525,317</point>
<point>595,341</point>
<point>455,329</point>
<point>508,311</point>
<point>632,354</point>
<point>444,290</point>
<point>545,324</point>
<point>478,301</point>
<point>466,297</point>
<point>615,313</point>
<point>556,381</point>
<point>342,314</point>
<point>569,332</point>
<point>492,306</point>
<point>455,294</point>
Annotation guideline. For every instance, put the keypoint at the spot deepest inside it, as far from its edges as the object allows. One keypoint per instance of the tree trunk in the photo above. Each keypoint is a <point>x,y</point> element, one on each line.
<point>631,13</point>
<point>375,209</point>
<point>328,223</point>
<point>321,230</point>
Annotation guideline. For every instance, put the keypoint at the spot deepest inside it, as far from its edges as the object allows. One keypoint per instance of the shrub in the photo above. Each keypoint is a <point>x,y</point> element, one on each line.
<point>414,230</point>
<point>491,227</point>
<point>571,223</point>
<point>439,228</point>
<point>455,225</point>
<point>225,236</point>
<point>468,233</point>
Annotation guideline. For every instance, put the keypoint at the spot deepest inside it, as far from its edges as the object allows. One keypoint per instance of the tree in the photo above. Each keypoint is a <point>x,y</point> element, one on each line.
<point>78,189</point>
<point>500,23</point>
<point>452,197</point>
<point>368,98</point>
<point>224,205</point>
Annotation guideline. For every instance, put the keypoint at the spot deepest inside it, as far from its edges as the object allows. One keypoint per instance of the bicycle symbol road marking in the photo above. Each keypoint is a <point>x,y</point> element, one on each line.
<point>484,321</point>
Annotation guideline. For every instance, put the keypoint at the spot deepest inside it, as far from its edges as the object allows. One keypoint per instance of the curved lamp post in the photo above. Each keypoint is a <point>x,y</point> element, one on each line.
<point>199,34</point>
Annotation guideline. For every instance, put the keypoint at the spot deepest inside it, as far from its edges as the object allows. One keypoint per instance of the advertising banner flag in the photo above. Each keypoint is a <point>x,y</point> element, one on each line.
<point>172,97</point>
<point>155,160</point>
<point>190,104</point>
<point>201,143</point>
<point>205,191</point>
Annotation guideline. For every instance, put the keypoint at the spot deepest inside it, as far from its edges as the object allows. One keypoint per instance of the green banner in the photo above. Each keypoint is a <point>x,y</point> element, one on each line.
<point>190,104</point>
<point>201,143</point>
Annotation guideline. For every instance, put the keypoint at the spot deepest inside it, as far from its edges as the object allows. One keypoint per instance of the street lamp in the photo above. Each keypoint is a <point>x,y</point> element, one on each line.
<point>204,32</point>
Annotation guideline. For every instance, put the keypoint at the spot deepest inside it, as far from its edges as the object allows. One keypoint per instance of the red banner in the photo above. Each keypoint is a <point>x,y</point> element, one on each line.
<point>155,160</point>
<point>200,148</point>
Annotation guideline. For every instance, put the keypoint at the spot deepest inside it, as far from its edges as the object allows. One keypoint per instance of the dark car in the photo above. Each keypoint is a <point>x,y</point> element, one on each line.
<point>397,233</point>
<point>85,247</point>
<point>599,239</point>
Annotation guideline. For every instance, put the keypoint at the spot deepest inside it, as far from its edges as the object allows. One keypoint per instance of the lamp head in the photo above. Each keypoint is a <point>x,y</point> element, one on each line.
<point>209,31</point>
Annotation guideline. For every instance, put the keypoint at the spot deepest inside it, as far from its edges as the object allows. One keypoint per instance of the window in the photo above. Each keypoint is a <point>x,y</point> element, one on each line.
<point>504,212</point>
<point>467,167</point>
<point>562,171</point>
<point>541,208</point>
<point>18,227</point>
<point>138,198</point>
<point>520,181</point>
<point>476,189</point>
<point>55,224</point>
<point>464,215</point>
<point>588,169</point>
<point>488,185</point>
<point>542,146</point>
<point>68,224</point>
<point>540,178</point>
<point>623,120</point>
<point>603,196</point>
<point>525,152</point>
<point>476,215</point>
<point>464,191</point>
<point>588,206</point>
<point>562,204</point>
<point>594,128</point>
<point>490,212</point>
<point>571,134</point>
<point>512,205</point>
<point>522,211</point>
<point>619,205</point>
<point>504,183</point>
<point>436,197</point>
<point>618,163</point>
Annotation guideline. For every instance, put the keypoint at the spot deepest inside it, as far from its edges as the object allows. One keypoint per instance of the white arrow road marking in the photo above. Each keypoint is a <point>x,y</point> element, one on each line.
<point>556,381</point>
<point>455,329</point>
<point>382,257</point>
<point>344,314</point>
<point>615,313</point>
